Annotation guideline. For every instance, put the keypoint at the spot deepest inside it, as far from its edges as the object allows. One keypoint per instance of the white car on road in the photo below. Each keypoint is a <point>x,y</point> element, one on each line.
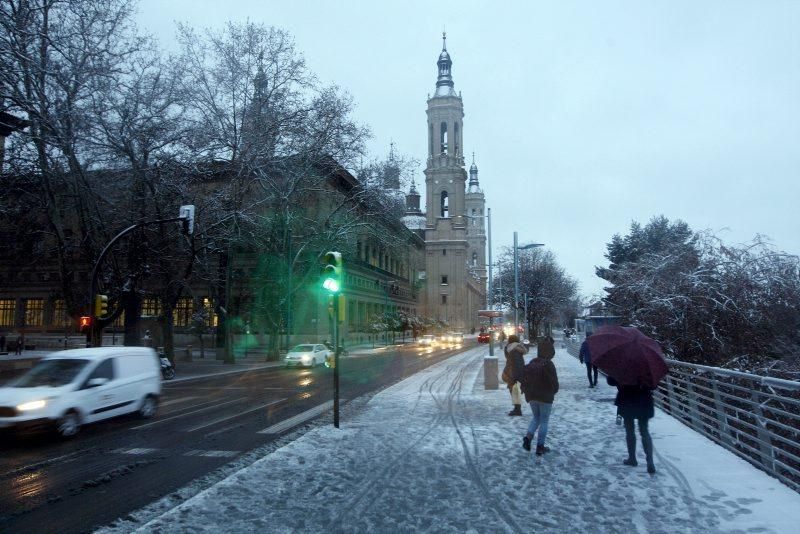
<point>70,388</point>
<point>308,355</point>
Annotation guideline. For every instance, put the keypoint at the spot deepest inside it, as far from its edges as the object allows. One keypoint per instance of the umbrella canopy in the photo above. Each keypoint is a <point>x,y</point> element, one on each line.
<point>628,356</point>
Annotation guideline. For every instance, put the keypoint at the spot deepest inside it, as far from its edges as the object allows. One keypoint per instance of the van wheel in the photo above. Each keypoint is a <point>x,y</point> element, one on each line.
<point>149,407</point>
<point>68,425</point>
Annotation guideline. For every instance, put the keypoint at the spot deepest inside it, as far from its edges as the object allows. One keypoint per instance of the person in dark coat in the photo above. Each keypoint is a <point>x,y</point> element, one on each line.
<point>2,342</point>
<point>540,385</point>
<point>585,357</point>
<point>515,362</point>
<point>635,403</point>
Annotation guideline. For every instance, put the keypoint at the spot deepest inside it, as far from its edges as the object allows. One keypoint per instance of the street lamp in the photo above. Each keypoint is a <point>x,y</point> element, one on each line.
<point>516,277</point>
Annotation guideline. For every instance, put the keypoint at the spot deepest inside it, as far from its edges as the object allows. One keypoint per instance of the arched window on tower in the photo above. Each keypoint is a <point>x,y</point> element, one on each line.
<point>456,140</point>
<point>445,205</point>
<point>430,140</point>
<point>443,138</point>
<point>474,259</point>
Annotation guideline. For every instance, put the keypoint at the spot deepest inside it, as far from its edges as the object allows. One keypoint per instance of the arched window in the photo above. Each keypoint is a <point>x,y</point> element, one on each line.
<point>474,259</point>
<point>430,140</point>
<point>456,140</point>
<point>445,205</point>
<point>443,137</point>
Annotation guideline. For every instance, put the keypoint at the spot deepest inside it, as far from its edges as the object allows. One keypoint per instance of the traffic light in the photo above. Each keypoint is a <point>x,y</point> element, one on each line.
<point>187,214</point>
<point>100,305</point>
<point>85,323</point>
<point>332,272</point>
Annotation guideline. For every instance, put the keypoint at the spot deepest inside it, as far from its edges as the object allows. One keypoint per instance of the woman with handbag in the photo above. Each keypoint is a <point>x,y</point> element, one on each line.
<point>512,373</point>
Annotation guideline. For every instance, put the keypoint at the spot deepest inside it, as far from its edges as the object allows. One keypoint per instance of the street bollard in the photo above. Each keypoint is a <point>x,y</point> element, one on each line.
<point>490,372</point>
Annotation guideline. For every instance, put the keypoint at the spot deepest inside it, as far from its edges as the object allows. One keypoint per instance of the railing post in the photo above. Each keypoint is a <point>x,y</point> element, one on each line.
<point>764,435</point>
<point>694,407</point>
<point>673,402</point>
<point>721,415</point>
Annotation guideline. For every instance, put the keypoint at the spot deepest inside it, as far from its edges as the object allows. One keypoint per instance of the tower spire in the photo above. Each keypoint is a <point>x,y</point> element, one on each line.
<point>473,176</point>
<point>444,83</point>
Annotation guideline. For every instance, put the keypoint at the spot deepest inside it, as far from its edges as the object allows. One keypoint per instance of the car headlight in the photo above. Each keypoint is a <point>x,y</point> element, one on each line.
<point>32,405</point>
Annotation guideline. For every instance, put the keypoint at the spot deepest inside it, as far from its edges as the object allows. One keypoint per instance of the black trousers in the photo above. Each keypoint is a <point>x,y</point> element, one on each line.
<point>630,438</point>
<point>589,369</point>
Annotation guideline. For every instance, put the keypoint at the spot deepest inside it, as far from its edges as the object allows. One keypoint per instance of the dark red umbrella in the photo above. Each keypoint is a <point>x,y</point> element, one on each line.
<point>628,356</point>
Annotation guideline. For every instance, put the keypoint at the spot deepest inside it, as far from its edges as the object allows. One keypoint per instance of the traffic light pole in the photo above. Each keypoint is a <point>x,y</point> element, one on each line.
<point>336,353</point>
<point>94,334</point>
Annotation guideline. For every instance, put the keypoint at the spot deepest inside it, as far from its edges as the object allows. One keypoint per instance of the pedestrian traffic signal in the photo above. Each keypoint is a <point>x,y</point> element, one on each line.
<point>100,305</point>
<point>332,272</point>
<point>85,323</point>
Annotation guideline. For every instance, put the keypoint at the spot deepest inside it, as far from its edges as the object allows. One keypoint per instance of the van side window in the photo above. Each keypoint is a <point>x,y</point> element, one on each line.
<point>104,370</point>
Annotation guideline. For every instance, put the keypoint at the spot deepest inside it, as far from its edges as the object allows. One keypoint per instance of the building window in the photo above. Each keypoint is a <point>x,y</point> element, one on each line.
<point>119,322</point>
<point>34,312</point>
<point>455,138</point>
<point>474,259</point>
<point>182,316</point>
<point>444,252</point>
<point>443,137</point>
<point>444,204</point>
<point>212,319</point>
<point>7,309</point>
<point>444,299</point>
<point>151,307</point>
<point>60,317</point>
<point>444,279</point>
<point>430,140</point>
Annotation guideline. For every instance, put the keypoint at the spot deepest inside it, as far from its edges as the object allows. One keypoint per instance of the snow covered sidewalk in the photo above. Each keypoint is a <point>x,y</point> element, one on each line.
<point>437,452</point>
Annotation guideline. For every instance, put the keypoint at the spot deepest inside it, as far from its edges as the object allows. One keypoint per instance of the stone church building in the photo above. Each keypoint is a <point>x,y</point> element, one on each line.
<point>454,217</point>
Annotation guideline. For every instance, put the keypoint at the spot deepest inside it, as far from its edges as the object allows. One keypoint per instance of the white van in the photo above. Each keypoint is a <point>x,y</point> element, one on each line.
<point>71,388</point>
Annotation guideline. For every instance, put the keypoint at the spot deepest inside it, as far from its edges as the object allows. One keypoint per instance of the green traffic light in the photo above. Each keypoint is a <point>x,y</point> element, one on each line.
<point>331,284</point>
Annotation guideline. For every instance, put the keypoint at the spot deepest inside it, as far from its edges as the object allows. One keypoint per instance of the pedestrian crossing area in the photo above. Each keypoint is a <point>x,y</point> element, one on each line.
<point>144,451</point>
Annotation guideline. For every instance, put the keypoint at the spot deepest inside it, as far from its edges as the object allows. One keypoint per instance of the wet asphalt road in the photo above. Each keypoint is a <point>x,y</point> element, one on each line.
<point>113,468</point>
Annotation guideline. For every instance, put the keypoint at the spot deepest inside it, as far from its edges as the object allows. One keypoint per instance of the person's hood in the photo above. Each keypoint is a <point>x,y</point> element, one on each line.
<point>515,345</point>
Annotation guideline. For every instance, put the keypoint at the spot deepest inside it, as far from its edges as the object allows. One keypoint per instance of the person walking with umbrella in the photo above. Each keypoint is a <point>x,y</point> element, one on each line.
<point>634,364</point>
<point>512,373</point>
<point>540,384</point>
<point>635,404</point>
<point>585,357</point>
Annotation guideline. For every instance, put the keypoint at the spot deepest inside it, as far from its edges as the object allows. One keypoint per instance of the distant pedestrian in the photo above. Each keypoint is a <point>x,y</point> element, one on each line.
<point>20,344</point>
<point>635,403</point>
<point>147,340</point>
<point>540,384</point>
<point>2,342</point>
<point>512,373</point>
<point>586,358</point>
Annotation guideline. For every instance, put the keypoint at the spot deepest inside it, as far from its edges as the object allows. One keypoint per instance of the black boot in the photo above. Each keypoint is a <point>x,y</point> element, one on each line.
<point>630,461</point>
<point>541,449</point>
<point>526,443</point>
<point>517,410</point>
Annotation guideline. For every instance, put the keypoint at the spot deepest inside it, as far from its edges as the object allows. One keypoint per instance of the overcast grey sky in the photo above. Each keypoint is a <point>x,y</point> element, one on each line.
<point>583,116</point>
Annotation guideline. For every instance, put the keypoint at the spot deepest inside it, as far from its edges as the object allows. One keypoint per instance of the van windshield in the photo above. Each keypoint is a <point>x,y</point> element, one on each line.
<point>53,373</point>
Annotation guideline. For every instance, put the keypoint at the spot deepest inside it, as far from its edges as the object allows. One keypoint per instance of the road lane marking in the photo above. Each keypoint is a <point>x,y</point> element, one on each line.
<point>297,419</point>
<point>217,405</point>
<point>212,454</point>
<point>42,463</point>
<point>137,451</point>
<point>227,417</point>
<point>176,401</point>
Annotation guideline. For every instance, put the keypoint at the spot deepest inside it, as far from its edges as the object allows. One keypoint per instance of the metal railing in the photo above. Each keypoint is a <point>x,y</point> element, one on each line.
<point>755,417</point>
